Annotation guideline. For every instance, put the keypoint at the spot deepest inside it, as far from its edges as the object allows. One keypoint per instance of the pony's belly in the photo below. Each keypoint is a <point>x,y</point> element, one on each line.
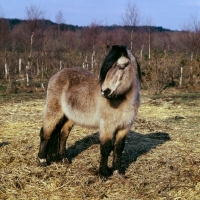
<point>80,110</point>
<point>85,122</point>
<point>83,119</point>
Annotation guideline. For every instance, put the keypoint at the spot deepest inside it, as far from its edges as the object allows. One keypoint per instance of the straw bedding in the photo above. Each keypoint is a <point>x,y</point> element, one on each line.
<point>161,159</point>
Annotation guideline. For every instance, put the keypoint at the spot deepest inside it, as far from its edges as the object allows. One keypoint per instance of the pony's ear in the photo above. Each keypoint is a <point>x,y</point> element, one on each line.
<point>108,47</point>
<point>118,46</point>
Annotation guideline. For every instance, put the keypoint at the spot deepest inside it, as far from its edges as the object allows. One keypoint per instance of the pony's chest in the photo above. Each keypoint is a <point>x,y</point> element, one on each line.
<point>127,115</point>
<point>121,116</point>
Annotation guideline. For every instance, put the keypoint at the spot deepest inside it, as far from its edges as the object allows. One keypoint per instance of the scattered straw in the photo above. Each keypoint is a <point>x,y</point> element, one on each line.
<point>161,157</point>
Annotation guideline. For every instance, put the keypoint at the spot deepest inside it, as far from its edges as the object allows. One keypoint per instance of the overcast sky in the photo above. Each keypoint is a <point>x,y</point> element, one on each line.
<point>172,14</point>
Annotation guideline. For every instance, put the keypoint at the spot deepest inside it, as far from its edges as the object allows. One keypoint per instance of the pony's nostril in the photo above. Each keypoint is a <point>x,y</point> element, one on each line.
<point>106,92</point>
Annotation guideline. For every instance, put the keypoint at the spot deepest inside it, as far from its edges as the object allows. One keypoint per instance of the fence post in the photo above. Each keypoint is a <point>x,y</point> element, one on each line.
<point>60,64</point>
<point>27,76</point>
<point>6,71</point>
<point>93,61</point>
<point>20,66</point>
<point>181,78</point>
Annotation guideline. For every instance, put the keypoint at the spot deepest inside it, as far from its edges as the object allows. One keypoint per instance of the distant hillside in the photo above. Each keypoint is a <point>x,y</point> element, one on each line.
<point>13,22</point>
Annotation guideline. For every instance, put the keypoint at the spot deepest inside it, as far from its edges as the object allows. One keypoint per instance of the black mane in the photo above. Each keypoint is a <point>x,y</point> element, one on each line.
<point>115,53</point>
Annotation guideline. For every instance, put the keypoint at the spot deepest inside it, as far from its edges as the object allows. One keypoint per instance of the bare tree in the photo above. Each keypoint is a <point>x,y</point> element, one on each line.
<point>149,38</point>
<point>90,35</point>
<point>33,14</point>
<point>192,34</point>
<point>4,30</point>
<point>191,38</point>
<point>59,19</point>
<point>131,19</point>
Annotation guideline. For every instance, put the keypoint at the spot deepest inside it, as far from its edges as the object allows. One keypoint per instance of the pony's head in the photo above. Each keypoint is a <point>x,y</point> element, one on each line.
<point>117,72</point>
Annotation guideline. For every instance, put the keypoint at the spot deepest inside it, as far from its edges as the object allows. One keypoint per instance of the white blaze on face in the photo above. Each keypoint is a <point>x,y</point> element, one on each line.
<point>122,61</point>
<point>113,82</point>
<point>116,85</point>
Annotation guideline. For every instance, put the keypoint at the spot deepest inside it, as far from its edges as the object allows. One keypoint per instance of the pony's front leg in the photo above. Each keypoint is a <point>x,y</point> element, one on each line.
<point>118,149</point>
<point>42,155</point>
<point>106,147</point>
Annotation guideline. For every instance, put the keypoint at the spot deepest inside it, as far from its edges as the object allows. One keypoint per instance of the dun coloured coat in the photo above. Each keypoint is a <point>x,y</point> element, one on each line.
<point>109,102</point>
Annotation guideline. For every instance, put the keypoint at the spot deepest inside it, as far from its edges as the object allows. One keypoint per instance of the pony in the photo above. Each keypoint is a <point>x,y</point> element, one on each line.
<point>109,102</point>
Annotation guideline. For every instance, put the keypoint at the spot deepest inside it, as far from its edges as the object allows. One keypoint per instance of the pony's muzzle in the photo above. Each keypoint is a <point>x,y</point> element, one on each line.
<point>106,93</point>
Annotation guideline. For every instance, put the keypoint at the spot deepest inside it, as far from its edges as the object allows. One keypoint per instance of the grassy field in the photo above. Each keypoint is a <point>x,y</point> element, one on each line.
<point>161,159</point>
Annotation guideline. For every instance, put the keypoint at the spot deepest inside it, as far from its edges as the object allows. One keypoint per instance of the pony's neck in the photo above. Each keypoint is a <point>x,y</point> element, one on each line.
<point>115,103</point>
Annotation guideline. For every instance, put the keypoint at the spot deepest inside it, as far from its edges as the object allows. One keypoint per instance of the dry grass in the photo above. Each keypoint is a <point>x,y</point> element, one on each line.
<point>155,166</point>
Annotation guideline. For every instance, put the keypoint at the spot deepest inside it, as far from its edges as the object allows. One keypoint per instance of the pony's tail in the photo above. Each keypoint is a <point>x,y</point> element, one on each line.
<point>53,145</point>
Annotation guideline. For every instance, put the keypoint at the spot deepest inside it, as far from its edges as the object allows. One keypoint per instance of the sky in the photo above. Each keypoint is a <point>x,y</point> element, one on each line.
<point>170,14</point>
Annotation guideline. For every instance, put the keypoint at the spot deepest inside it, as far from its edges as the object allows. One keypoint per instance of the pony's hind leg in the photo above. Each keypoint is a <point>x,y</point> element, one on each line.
<point>50,126</point>
<point>63,138</point>
<point>118,149</point>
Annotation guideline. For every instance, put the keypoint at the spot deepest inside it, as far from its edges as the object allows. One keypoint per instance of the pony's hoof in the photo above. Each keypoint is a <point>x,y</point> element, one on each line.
<point>42,162</point>
<point>117,175</point>
<point>104,174</point>
<point>64,161</point>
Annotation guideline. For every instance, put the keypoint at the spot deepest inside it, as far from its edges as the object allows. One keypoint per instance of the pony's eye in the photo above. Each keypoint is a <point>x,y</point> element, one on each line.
<point>123,66</point>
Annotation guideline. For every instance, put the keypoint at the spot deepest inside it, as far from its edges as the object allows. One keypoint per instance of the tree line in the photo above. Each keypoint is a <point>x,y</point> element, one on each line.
<point>32,50</point>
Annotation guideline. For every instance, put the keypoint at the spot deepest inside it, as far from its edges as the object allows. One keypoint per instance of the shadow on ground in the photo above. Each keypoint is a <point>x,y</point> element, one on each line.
<point>136,144</point>
<point>4,143</point>
<point>82,145</point>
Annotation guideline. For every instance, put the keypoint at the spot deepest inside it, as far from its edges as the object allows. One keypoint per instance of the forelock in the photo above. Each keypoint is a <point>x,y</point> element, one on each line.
<point>115,53</point>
